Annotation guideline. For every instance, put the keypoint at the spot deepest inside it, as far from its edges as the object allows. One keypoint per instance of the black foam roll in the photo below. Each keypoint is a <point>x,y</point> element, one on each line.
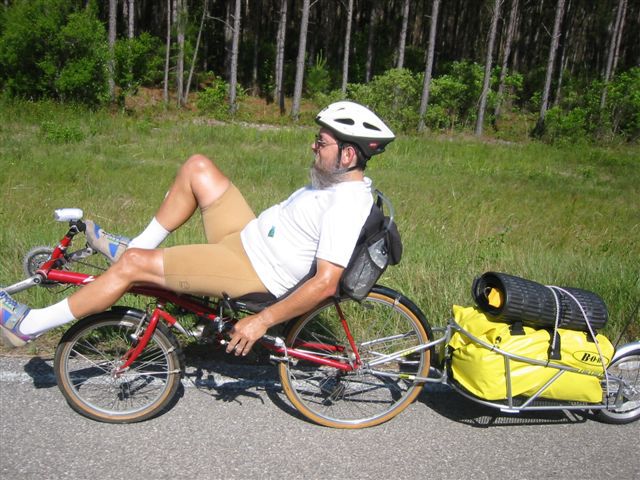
<point>536,305</point>
<point>571,317</point>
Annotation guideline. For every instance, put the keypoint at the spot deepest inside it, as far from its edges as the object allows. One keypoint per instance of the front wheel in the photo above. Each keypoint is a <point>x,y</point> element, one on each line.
<point>33,261</point>
<point>627,369</point>
<point>86,367</point>
<point>385,322</point>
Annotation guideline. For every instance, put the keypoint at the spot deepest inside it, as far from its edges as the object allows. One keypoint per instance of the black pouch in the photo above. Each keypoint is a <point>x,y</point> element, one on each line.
<point>379,245</point>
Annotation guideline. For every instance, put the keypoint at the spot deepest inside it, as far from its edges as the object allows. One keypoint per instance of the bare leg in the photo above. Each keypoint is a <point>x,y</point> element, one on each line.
<point>135,266</point>
<point>199,183</point>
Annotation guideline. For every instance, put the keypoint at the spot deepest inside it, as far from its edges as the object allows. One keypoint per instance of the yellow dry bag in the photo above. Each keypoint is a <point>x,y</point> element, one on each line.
<point>483,371</point>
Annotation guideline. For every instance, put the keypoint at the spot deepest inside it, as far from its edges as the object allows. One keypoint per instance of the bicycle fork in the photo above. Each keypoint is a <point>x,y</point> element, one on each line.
<point>141,342</point>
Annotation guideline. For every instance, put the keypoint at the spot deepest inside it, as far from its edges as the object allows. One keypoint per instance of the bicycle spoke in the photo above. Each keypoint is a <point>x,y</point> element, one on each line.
<point>94,383</point>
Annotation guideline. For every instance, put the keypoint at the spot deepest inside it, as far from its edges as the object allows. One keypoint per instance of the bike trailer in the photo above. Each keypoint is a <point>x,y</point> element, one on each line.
<point>501,362</point>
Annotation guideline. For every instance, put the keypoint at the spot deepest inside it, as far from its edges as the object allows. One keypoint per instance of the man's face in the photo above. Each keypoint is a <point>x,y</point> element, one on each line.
<point>326,151</point>
<point>326,170</point>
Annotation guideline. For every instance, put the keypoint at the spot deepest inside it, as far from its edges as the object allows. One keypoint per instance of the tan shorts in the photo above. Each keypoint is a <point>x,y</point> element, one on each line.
<point>221,265</point>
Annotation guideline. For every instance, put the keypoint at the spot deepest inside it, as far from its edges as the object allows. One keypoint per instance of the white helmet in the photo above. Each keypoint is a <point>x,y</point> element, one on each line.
<point>353,123</point>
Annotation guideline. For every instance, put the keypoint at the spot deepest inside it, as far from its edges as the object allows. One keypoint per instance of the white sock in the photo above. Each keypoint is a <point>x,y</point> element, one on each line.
<point>151,237</point>
<point>42,319</point>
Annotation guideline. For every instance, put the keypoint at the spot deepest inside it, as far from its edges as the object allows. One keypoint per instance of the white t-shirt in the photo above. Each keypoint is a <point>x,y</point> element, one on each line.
<point>284,241</point>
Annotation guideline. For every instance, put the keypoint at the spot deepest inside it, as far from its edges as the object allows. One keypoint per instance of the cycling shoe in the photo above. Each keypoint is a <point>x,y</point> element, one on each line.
<point>110,245</point>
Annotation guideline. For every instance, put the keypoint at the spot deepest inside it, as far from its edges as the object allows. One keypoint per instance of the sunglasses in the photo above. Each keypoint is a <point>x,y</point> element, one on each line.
<point>321,143</point>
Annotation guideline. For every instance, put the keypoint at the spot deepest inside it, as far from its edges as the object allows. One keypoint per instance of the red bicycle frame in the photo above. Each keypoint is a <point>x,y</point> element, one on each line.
<point>200,309</point>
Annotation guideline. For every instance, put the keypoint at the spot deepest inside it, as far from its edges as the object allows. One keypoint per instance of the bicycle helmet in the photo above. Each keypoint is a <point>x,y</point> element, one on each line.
<point>354,123</point>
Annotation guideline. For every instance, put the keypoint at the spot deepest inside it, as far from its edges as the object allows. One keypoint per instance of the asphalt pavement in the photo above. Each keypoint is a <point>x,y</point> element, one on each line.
<point>233,421</point>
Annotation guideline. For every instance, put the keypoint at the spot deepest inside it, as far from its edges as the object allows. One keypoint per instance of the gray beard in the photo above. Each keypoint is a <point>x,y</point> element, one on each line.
<point>321,179</point>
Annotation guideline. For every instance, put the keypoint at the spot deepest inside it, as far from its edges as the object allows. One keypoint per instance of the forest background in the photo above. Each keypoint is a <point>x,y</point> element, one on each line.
<point>557,69</point>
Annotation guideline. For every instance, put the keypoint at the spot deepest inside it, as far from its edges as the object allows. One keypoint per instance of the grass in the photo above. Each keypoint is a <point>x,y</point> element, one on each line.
<point>566,216</point>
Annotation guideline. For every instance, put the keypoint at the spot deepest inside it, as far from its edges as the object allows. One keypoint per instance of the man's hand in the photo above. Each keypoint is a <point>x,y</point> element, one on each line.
<point>245,333</point>
<point>315,290</point>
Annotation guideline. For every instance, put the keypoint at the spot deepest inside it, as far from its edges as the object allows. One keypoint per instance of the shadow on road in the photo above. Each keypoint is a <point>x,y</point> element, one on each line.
<point>455,407</point>
<point>231,379</point>
<point>41,372</point>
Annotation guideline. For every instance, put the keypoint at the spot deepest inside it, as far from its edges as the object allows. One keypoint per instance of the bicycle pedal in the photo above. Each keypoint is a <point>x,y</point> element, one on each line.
<point>198,331</point>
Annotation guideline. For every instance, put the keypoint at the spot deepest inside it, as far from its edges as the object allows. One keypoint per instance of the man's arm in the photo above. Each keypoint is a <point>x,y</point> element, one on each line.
<point>319,287</point>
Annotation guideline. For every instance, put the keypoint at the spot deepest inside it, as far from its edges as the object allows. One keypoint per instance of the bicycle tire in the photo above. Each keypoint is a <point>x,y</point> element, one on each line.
<point>88,354</point>
<point>384,322</point>
<point>34,259</point>
<point>628,368</point>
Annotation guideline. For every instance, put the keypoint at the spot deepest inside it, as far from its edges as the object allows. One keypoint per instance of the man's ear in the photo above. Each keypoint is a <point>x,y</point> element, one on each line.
<point>349,156</point>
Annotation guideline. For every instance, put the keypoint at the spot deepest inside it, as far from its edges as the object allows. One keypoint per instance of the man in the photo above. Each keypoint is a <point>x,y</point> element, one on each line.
<point>318,224</point>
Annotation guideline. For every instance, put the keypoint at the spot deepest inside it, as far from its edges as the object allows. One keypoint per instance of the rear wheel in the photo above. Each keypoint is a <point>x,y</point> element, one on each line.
<point>385,322</point>
<point>627,368</point>
<point>87,360</point>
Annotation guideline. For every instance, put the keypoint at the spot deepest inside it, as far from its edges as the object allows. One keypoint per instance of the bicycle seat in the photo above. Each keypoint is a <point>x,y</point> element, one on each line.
<point>253,302</point>
<point>258,301</point>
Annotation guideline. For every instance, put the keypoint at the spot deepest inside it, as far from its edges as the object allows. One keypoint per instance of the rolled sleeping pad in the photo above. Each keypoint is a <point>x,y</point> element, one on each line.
<point>511,299</point>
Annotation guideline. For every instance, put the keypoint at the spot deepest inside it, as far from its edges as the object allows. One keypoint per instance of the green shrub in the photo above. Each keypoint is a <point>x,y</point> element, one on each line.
<point>565,126</point>
<point>81,57</point>
<point>579,115</point>
<point>324,99</point>
<point>623,105</point>
<point>513,83</point>
<point>394,95</point>
<point>318,79</point>
<point>437,118</point>
<point>138,61</point>
<point>213,99</point>
<point>458,92</point>
<point>53,49</point>
<point>447,93</point>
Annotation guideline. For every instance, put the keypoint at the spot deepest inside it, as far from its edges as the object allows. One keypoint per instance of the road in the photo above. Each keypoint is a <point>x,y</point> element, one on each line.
<point>237,424</point>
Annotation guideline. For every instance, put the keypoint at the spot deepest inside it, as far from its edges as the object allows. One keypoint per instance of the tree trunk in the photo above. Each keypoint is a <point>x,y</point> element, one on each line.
<point>619,39</point>
<point>113,5</point>
<point>487,67</point>
<point>280,42</point>
<point>511,29</point>
<point>125,11</point>
<point>235,46</point>
<point>370,41</point>
<point>403,34</point>
<point>347,44</point>
<point>255,19</point>
<point>302,48</point>
<point>165,84</point>
<point>424,101</point>
<point>132,18</point>
<point>181,10</point>
<point>228,40</point>
<point>205,8</point>
<point>613,46</point>
<point>562,64</point>
<point>550,62</point>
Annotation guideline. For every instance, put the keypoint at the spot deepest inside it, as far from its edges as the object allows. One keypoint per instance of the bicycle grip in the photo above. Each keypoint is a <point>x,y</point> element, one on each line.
<point>67,214</point>
<point>277,341</point>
